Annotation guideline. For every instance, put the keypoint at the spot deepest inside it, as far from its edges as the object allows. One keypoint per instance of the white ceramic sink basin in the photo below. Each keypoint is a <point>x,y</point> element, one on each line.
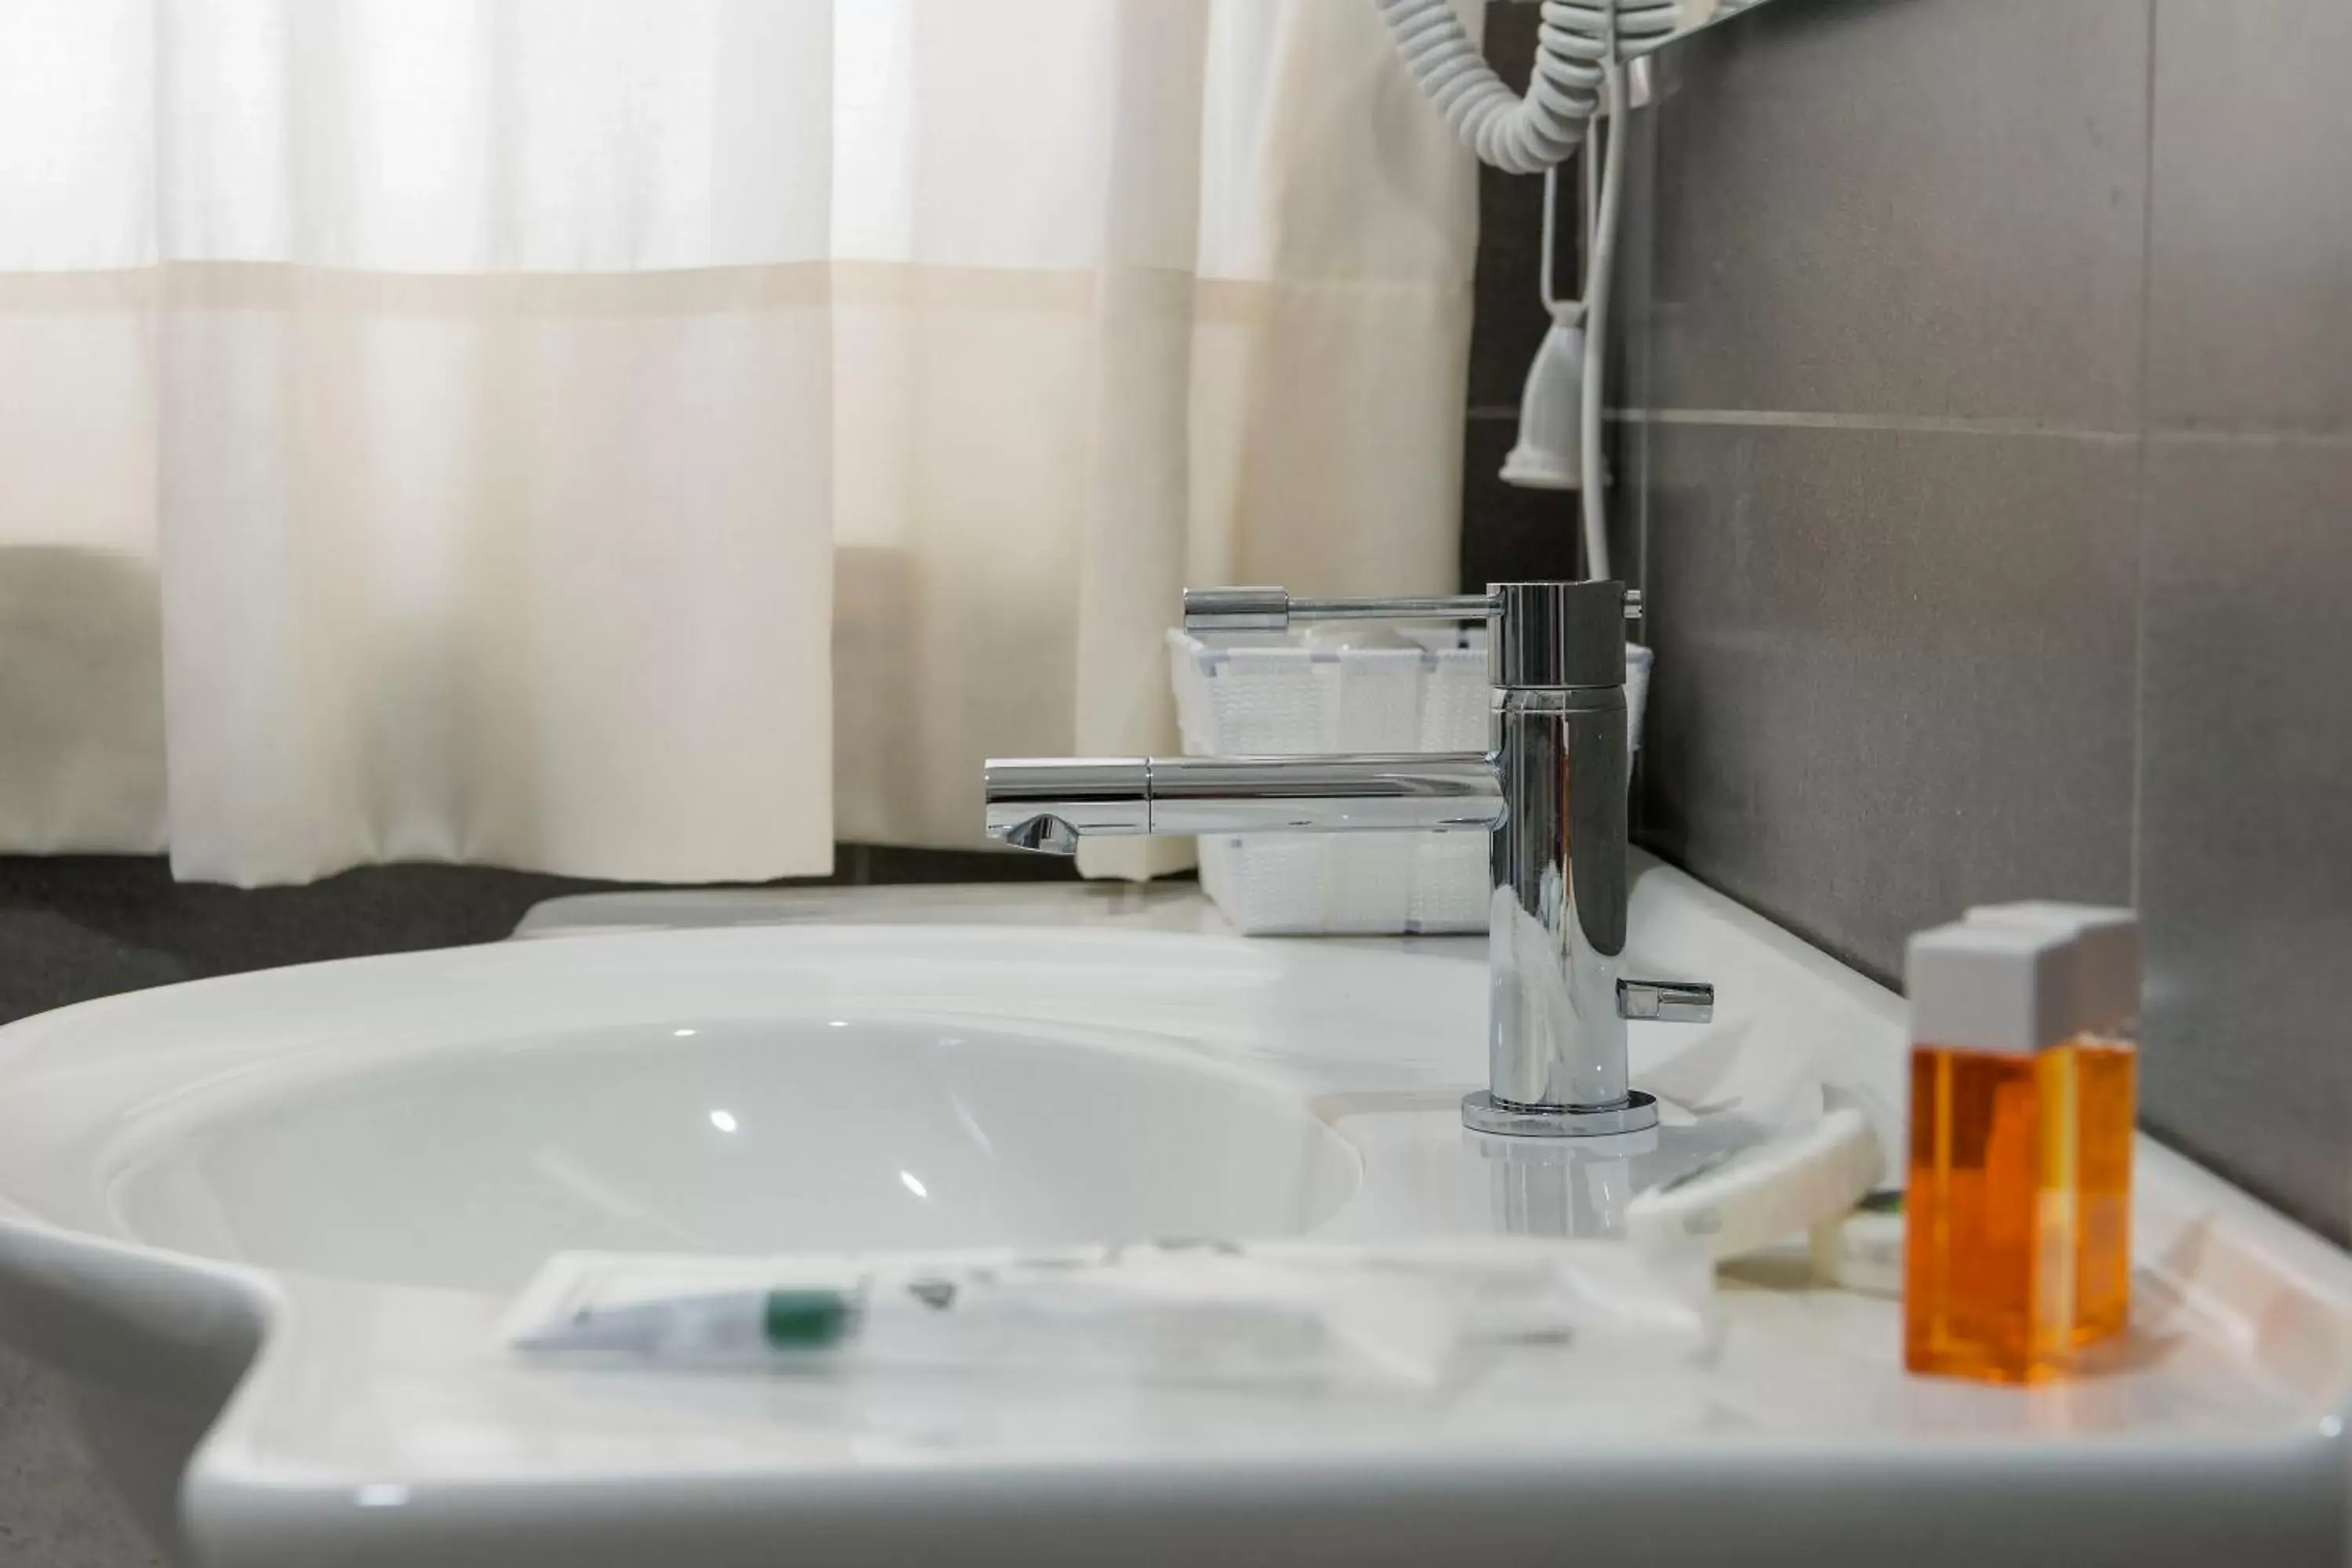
<point>469,1164</point>
<point>267,1227</point>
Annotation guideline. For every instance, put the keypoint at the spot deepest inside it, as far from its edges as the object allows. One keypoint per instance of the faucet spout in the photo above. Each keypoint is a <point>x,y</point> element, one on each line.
<point>1049,804</point>
<point>1045,833</point>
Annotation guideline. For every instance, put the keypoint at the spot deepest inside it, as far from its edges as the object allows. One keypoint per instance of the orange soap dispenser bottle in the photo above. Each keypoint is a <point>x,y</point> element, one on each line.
<point>1988,1287</point>
<point>2104,1046</point>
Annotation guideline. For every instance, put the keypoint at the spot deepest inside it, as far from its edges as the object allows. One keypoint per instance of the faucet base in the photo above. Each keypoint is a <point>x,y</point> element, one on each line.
<point>1482,1113</point>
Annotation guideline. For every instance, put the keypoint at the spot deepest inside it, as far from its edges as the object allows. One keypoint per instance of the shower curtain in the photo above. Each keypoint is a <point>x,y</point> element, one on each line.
<point>657,438</point>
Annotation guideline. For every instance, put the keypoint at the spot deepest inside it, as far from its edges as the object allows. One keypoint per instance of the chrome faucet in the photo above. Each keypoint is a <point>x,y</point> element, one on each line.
<point>1551,791</point>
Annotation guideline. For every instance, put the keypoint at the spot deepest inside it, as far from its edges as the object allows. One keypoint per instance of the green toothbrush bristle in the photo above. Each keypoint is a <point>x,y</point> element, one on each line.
<point>807,1320</point>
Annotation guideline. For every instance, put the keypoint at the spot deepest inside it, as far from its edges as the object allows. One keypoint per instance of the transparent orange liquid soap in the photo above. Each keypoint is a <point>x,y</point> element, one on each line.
<point>1988,1259</point>
<point>2106,1077</point>
<point>2017,1248</point>
<point>2103,982</point>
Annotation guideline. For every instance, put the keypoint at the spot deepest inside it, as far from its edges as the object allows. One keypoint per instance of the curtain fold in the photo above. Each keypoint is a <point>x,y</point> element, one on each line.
<point>656,438</point>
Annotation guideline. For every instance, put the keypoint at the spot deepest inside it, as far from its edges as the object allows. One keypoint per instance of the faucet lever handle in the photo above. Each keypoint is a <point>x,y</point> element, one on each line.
<point>1275,610</point>
<point>1666,1001</point>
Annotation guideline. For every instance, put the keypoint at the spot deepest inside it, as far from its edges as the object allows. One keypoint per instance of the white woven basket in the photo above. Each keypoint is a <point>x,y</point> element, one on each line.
<point>1285,696</point>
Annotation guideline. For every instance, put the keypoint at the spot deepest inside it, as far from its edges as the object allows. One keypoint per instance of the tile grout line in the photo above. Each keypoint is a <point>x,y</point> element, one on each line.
<point>1942,425</point>
<point>2140,478</point>
<point>1924,423</point>
<point>2305,440</point>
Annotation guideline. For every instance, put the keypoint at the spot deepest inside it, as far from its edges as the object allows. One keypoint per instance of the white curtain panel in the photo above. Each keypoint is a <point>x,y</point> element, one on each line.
<point>656,438</point>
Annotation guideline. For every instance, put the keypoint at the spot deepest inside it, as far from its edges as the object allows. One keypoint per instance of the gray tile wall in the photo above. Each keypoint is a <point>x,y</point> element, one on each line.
<point>1987,383</point>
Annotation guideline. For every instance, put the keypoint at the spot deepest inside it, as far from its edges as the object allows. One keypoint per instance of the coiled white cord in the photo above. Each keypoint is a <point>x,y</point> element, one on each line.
<point>1597,266</point>
<point>1581,46</point>
<point>1524,133</point>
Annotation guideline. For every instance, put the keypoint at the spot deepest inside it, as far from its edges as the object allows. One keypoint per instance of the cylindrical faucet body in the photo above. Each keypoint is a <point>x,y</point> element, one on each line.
<point>1556,924</point>
<point>1556,921</point>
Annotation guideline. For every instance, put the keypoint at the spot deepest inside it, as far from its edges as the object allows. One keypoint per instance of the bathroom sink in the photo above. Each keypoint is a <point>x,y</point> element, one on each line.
<point>467,1167</point>
<point>267,1227</point>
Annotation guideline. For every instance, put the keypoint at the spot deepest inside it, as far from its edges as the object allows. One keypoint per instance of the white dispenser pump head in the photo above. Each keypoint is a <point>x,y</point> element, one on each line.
<point>2105,963</point>
<point>1992,986</point>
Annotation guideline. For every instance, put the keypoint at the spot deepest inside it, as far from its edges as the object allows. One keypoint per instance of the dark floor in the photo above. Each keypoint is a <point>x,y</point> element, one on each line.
<point>75,927</point>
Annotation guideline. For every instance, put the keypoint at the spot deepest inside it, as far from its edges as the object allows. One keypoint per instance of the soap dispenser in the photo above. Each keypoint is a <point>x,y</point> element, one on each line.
<point>2103,1048</point>
<point>1988,1287</point>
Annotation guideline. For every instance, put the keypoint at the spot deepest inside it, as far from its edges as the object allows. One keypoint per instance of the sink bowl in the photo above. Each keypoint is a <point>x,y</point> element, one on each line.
<point>467,1165</point>
<point>267,1228</point>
